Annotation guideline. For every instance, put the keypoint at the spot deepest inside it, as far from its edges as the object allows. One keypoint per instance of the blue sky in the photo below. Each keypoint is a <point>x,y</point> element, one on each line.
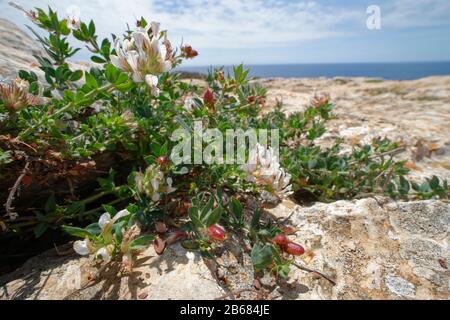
<point>277,31</point>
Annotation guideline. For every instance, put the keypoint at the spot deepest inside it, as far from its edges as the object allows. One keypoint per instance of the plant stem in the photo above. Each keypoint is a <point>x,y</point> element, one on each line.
<point>72,104</point>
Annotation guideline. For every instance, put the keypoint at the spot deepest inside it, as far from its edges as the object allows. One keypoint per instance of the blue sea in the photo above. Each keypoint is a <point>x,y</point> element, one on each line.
<point>389,71</point>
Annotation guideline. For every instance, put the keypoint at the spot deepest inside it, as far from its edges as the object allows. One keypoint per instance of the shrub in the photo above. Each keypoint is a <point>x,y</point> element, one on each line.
<point>92,151</point>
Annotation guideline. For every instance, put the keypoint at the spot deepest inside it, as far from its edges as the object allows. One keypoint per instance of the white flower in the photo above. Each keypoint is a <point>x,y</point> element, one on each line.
<point>170,189</point>
<point>105,219</point>
<point>263,169</point>
<point>103,254</point>
<point>144,57</point>
<point>73,23</point>
<point>152,183</point>
<point>82,247</point>
<point>189,104</point>
<point>126,58</point>
<point>152,82</point>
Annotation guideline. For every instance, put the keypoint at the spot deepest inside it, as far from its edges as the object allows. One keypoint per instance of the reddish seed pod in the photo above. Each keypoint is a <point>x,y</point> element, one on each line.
<point>293,248</point>
<point>216,232</point>
<point>280,239</point>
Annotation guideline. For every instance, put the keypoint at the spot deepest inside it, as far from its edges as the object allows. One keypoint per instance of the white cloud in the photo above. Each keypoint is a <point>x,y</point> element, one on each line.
<point>217,23</point>
<point>416,13</point>
<point>230,30</point>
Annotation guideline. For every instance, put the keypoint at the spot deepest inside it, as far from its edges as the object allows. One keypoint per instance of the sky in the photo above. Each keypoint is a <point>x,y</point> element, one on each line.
<point>275,31</point>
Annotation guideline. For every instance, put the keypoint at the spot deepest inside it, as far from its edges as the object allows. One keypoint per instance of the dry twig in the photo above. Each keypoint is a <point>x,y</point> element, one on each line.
<point>8,205</point>
<point>325,276</point>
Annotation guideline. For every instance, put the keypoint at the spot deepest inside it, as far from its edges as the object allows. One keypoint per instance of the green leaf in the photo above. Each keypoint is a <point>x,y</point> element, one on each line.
<point>40,229</point>
<point>75,208</point>
<point>91,81</point>
<point>92,28</point>
<point>261,256</point>
<point>50,205</point>
<point>78,232</point>
<point>190,245</point>
<point>97,59</point>
<point>434,183</point>
<point>255,219</point>
<point>404,186</point>
<point>236,208</point>
<point>194,215</point>
<point>111,73</point>
<point>141,242</point>
<point>206,210</point>
<point>213,217</point>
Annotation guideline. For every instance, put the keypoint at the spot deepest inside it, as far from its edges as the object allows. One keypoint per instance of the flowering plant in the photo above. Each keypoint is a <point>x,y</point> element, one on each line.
<point>77,142</point>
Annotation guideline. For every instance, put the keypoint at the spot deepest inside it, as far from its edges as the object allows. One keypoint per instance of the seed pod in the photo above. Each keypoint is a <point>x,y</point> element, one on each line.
<point>293,248</point>
<point>280,239</point>
<point>216,232</point>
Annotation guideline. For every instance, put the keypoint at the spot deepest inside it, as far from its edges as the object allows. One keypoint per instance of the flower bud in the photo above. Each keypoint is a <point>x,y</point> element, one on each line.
<point>163,161</point>
<point>208,98</point>
<point>188,52</point>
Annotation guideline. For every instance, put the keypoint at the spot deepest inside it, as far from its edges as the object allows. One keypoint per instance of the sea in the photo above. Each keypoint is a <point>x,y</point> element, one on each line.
<point>388,71</point>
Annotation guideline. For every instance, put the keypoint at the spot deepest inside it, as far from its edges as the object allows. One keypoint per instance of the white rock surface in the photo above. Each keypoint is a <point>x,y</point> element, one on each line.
<point>373,248</point>
<point>16,50</point>
<point>376,248</point>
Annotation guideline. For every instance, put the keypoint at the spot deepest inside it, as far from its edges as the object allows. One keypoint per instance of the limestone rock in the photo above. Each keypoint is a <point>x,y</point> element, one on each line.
<point>416,113</point>
<point>175,275</point>
<point>372,248</point>
<point>375,248</point>
<point>16,50</point>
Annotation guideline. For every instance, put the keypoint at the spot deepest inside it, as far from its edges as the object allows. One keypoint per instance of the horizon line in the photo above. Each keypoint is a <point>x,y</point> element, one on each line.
<point>311,63</point>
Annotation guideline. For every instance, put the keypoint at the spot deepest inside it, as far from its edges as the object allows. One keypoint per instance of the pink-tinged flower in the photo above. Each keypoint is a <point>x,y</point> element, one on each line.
<point>15,96</point>
<point>143,56</point>
<point>216,233</point>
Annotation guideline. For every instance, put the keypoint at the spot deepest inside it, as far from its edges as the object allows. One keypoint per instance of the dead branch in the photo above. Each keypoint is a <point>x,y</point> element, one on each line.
<point>325,276</point>
<point>8,205</point>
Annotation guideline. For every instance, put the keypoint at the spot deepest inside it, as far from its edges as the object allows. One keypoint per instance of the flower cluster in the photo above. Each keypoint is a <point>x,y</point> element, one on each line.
<point>15,96</point>
<point>144,56</point>
<point>102,248</point>
<point>152,183</point>
<point>263,169</point>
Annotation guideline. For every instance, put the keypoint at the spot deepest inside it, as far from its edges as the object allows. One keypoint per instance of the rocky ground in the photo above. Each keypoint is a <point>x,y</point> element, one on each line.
<point>417,113</point>
<point>372,248</point>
